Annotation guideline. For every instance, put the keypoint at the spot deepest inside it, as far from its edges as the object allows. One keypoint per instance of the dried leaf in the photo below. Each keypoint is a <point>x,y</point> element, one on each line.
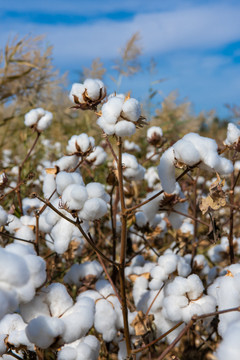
<point>216,198</point>
<point>142,324</point>
<point>52,171</point>
<point>133,277</point>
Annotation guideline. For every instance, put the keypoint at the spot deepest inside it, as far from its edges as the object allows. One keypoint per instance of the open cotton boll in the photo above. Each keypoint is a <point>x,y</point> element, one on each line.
<point>13,269</point>
<point>67,353</point>
<point>93,209</point>
<point>63,179</point>
<point>74,196</point>
<point>67,162</point>
<point>131,146</point>
<point>108,128</point>
<point>58,299</point>
<point>125,128</point>
<point>175,219</point>
<point>3,216</point>
<point>77,90</point>
<point>78,272</point>
<point>49,186</point>
<point>186,152</point>
<point>45,121</point>
<point>229,348</point>
<point>43,331</point>
<point>104,288</point>
<point>93,89</point>
<point>61,234</point>
<point>34,308</point>
<point>233,134</point>
<point>80,143</point>
<point>105,320</point>
<point>166,171</point>
<point>132,170</point>
<point>111,110</point>
<point>94,344</point>
<point>97,156</point>
<point>96,190</point>
<point>131,110</point>
<point>33,116</point>
<point>154,131</point>
<point>78,320</point>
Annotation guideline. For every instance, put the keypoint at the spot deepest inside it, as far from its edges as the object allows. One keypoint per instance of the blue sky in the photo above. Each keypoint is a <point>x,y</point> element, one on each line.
<point>196,44</point>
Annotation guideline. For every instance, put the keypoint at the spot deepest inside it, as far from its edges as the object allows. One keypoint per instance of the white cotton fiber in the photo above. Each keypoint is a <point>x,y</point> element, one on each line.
<point>229,348</point>
<point>63,179</point>
<point>96,190</point>
<point>74,197</point>
<point>67,353</point>
<point>233,134</point>
<point>125,128</point>
<point>58,299</point>
<point>77,90</point>
<point>93,209</point>
<point>93,89</point>
<point>166,171</point>
<point>112,109</point>
<point>131,110</point>
<point>105,320</point>
<point>40,117</point>
<point>97,156</point>
<point>43,330</point>
<point>154,131</point>
<point>67,162</point>
<point>80,143</point>
<point>13,269</point>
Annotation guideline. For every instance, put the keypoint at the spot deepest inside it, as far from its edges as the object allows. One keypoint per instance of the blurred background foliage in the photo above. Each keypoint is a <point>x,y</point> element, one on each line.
<point>29,80</point>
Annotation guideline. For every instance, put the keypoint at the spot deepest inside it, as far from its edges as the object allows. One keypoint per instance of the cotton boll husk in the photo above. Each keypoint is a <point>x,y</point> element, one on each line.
<point>93,209</point>
<point>229,348</point>
<point>58,299</point>
<point>97,156</point>
<point>108,128</point>
<point>3,216</point>
<point>34,308</point>
<point>74,196</point>
<point>64,179</point>
<point>67,162</point>
<point>233,134</point>
<point>131,109</point>
<point>166,171</point>
<point>45,121</point>
<point>96,190</point>
<point>124,128</point>
<point>43,330</point>
<point>112,109</point>
<point>13,269</point>
<point>49,185</point>
<point>105,320</point>
<point>77,90</point>
<point>186,152</point>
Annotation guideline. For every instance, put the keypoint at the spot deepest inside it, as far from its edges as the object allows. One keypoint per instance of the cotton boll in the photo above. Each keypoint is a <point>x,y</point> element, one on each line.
<point>13,269</point>
<point>186,152</point>
<point>81,143</point>
<point>77,90</point>
<point>112,109</point>
<point>93,89</point>
<point>166,171</point>
<point>131,110</point>
<point>233,134</point>
<point>172,305</point>
<point>74,196</point>
<point>108,128</point>
<point>49,185</point>
<point>94,344</point>
<point>196,286</point>
<point>43,330</point>
<point>24,232</point>
<point>45,121</point>
<point>34,308</point>
<point>168,262</point>
<point>62,234</point>
<point>13,223</point>
<point>67,162</point>
<point>63,179</point>
<point>104,288</point>
<point>3,216</point>
<point>229,348</point>
<point>141,219</point>
<point>79,271</point>
<point>33,116</point>
<point>58,299</point>
<point>97,156</point>
<point>177,219</point>
<point>131,146</point>
<point>105,320</point>
<point>96,190</point>
<point>93,209</point>
<point>125,128</point>
<point>154,131</point>
<point>67,353</point>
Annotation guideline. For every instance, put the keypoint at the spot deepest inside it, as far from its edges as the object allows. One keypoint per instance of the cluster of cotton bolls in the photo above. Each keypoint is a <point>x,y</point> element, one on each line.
<point>39,118</point>
<point>191,150</point>
<point>89,94</point>
<point>120,116</point>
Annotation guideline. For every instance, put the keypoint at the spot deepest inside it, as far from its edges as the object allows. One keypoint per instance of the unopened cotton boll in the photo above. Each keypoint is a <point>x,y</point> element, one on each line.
<point>43,330</point>
<point>93,209</point>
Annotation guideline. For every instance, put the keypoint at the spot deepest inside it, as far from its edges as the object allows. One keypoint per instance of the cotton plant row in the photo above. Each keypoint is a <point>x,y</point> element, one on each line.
<point>140,204</point>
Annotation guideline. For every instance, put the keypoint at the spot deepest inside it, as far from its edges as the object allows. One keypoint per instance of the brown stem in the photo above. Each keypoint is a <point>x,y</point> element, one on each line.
<point>20,171</point>
<point>194,243</point>
<point>231,220</point>
<point>123,249</point>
